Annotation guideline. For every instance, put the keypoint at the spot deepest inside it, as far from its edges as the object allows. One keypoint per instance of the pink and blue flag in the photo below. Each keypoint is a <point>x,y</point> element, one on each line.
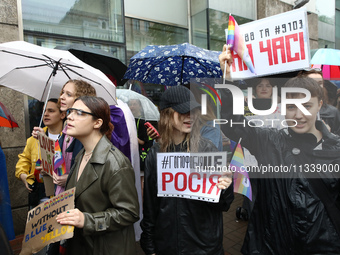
<point>59,161</point>
<point>236,40</point>
<point>241,179</point>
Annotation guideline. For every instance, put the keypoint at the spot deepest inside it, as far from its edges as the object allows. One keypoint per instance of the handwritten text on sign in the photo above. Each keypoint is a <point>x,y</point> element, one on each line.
<point>190,175</point>
<point>42,227</point>
<point>276,44</point>
<point>47,153</point>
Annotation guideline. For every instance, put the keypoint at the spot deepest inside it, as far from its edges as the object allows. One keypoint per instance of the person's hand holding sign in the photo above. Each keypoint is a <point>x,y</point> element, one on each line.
<point>225,180</point>
<point>72,217</point>
<point>60,180</point>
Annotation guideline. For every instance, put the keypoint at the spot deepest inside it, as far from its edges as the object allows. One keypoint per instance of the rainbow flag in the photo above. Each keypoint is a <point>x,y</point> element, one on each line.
<point>236,40</point>
<point>241,179</point>
<point>37,173</point>
<point>59,161</point>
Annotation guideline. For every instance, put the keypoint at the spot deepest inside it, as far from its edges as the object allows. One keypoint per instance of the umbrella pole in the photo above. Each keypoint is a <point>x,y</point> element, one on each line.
<point>54,72</point>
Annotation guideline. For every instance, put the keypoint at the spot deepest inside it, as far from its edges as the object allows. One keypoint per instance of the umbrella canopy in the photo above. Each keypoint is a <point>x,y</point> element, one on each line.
<point>326,56</point>
<point>329,72</point>
<point>28,68</point>
<point>100,59</point>
<point>6,118</point>
<point>140,106</point>
<point>173,64</point>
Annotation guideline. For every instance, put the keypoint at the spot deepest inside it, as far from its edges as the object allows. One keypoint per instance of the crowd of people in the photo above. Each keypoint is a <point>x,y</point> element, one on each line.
<point>290,214</point>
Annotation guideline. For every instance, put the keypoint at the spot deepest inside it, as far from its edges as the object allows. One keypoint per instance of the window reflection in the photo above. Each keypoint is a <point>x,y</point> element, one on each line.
<point>100,20</point>
<point>141,33</point>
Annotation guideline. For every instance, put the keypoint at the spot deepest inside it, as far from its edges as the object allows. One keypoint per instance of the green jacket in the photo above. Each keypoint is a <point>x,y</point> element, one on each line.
<point>107,196</point>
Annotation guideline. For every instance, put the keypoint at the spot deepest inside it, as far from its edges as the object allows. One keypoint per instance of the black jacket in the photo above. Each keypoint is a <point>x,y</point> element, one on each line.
<point>177,225</point>
<point>288,217</point>
<point>331,116</point>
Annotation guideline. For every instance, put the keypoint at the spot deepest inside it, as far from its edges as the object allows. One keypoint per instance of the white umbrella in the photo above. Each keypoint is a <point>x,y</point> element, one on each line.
<point>147,109</point>
<point>29,69</point>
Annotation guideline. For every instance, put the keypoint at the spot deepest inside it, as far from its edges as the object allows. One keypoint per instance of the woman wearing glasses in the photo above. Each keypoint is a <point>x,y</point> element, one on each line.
<point>106,199</point>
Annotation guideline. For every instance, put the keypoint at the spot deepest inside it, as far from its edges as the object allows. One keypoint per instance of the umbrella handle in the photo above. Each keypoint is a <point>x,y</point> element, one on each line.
<point>48,95</point>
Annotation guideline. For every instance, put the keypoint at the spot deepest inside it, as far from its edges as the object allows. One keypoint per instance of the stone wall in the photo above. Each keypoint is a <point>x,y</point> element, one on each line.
<point>13,140</point>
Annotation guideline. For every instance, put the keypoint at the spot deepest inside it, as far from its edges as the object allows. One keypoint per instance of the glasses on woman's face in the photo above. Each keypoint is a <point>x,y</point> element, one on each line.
<point>77,113</point>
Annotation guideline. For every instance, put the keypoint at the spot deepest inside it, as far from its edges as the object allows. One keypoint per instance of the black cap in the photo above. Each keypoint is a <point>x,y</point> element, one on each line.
<point>179,98</point>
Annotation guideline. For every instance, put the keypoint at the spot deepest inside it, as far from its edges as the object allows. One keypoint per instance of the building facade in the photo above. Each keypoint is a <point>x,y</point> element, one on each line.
<point>124,27</point>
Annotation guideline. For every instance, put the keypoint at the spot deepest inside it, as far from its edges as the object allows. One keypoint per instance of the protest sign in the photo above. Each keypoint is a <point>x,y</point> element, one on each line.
<point>276,44</point>
<point>190,175</point>
<point>47,153</point>
<point>42,227</point>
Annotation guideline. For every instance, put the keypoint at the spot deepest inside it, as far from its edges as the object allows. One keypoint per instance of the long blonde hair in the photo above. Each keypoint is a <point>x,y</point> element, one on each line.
<point>166,129</point>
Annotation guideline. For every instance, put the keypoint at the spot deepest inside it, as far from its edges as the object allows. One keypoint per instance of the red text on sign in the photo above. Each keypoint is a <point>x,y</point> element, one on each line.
<point>182,182</point>
<point>282,45</point>
<point>46,144</point>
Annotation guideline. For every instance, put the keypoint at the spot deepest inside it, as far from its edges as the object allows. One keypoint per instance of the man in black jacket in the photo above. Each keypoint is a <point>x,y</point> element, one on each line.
<point>296,209</point>
<point>328,113</point>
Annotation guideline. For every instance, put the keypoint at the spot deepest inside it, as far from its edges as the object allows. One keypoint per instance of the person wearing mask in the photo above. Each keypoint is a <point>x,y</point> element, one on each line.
<point>106,203</point>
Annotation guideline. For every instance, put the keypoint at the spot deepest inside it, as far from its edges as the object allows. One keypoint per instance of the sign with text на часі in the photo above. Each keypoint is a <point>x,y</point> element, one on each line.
<point>276,44</point>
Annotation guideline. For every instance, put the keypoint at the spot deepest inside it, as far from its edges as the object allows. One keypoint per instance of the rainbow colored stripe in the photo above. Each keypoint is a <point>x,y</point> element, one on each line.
<point>211,95</point>
<point>241,179</point>
<point>37,174</point>
<point>59,161</point>
<point>236,40</point>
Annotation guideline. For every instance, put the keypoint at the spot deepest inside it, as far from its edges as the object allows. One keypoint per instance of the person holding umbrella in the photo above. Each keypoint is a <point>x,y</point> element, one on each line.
<point>106,198</point>
<point>26,169</point>
<point>174,225</point>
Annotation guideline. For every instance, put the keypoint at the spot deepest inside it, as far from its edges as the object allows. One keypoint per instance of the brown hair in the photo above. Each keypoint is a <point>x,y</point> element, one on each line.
<point>165,128</point>
<point>307,83</point>
<point>101,110</point>
<point>306,72</point>
<point>83,88</point>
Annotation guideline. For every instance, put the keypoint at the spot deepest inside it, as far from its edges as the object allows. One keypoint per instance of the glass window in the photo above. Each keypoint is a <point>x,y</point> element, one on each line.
<point>136,25</point>
<point>326,12</point>
<point>218,22</point>
<point>118,51</point>
<point>153,33</point>
<point>101,20</point>
<point>337,25</point>
<point>199,29</point>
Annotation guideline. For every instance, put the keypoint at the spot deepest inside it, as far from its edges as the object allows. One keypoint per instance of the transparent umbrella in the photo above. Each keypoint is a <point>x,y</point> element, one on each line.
<point>140,106</point>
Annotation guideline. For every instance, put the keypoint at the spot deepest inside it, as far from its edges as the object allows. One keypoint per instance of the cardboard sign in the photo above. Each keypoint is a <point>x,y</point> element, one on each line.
<point>190,175</point>
<point>47,153</point>
<point>276,44</point>
<point>42,227</point>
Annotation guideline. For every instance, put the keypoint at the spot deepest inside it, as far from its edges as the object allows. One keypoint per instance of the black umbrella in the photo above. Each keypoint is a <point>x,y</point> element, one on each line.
<point>100,59</point>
